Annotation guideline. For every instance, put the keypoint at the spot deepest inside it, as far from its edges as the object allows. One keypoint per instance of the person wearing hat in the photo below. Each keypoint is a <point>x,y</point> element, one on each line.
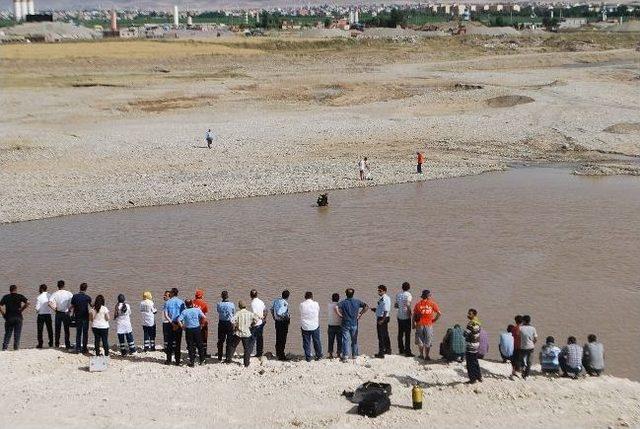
<point>148,314</point>
<point>425,313</point>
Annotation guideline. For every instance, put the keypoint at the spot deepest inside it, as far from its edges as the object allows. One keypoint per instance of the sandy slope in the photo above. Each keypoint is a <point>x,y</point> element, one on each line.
<point>140,392</point>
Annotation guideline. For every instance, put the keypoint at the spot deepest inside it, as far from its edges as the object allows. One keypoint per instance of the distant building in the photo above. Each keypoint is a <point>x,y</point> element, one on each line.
<point>568,23</point>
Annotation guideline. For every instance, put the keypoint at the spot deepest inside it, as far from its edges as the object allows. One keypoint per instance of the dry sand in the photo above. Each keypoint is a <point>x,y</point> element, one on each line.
<point>108,125</point>
<point>140,392</point>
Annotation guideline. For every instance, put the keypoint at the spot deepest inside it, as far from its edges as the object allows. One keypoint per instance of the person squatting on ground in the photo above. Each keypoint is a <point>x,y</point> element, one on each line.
<point>472,336</point>
<point>173,308</point>
<point>148,314</point>
<point>571,358</point>
<point>226,310</point>
<point>122,317</point>
<point>43,312</point>
<point>99,316</point>
<point>403,304</point>
<point>310,327</point>
<point>334,329</point>
<point>200,303</point>
<point>191,320</point>
<point>549,357</point>
<point>350,311</point>
<point>281,318</point>
<point>79,307</point>
<point>243,321</point>
<point>425,313</point>
<point>505,345</point>
<point>12,306</point>
<point>593,356</point>
<point>382,310</point>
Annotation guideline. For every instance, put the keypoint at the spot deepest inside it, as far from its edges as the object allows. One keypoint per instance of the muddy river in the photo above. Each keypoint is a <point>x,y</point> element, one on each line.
<point>538,241</point>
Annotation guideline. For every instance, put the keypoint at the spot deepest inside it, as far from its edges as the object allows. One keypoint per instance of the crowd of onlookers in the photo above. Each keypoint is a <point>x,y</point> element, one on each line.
<point>245,323</point>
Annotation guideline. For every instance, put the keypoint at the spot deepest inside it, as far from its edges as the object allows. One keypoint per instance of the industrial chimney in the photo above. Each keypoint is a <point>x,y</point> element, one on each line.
<point>114,21</point>
<point>17,10</point>
<point>30,7</point>
<point>24,8</point>
<point>176,21</point>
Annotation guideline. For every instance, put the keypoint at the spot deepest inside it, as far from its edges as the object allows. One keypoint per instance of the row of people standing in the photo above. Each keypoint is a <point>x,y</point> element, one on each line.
<point>247,326</point>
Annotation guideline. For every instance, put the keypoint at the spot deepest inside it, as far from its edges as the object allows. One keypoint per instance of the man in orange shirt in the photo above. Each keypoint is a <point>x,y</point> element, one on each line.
<point>420,161</point>
<point>200,303</point>
<point>425,313</point>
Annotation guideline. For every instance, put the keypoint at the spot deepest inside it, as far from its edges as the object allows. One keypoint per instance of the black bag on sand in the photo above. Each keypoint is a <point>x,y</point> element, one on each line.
<point>373,404</point>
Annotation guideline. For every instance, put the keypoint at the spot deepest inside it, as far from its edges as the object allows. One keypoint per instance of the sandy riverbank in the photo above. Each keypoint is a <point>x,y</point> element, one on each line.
<point>108,125</point>
<point>140,392</point>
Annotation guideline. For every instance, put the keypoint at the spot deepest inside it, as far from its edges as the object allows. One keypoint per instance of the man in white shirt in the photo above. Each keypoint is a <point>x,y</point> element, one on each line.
<point>310,325</point>
<point>363,167</point>
<point>403,304</point>
<point>44,316</point>
<point>60,302</point>
<point>259,309</point>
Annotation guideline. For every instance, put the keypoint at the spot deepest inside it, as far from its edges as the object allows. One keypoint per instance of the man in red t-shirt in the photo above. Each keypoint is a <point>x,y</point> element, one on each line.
<point>420,156</point>
<point>200,303</point>
<point>425,313</point>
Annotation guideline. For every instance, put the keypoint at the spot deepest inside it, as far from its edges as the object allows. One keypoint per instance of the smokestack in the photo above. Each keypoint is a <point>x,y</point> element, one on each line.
<point>176,21</point>
<point>114,21</point>
<point>17,10</point>
<point>25,9</point>
<point>189,21</point>
<point>30,7</point>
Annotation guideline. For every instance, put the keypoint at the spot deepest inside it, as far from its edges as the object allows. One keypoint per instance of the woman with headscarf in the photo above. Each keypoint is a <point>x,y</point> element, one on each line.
<point>122,316</point>
<point>148,311</point>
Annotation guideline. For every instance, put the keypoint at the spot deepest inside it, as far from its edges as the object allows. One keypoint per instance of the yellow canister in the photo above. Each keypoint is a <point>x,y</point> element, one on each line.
<point>416,397</point>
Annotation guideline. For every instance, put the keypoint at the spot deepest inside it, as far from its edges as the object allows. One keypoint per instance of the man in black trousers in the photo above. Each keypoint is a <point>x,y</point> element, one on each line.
<point>280,313</point>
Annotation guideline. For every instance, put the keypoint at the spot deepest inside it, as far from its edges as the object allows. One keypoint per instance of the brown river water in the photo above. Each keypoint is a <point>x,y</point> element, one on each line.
<point>538,241</point>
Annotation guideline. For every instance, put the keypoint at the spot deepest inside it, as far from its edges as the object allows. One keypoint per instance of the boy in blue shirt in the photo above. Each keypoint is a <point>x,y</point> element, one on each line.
<point>191,321</point>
